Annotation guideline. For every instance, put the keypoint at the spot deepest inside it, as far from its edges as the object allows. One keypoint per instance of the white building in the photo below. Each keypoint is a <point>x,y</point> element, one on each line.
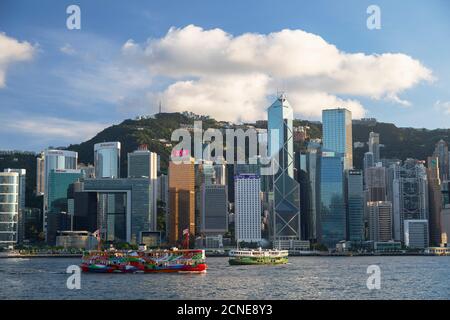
<point>247,208</point>
<point>416,234</point>
<point>9,208</point>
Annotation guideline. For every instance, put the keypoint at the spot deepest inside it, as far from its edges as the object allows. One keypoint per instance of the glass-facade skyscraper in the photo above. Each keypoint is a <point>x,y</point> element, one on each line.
<point>332,202</point>
<point>337,134</point>
<point>9,208</point>
<point>355,206</point>
<point>285,212</point>
<point>107,160</point>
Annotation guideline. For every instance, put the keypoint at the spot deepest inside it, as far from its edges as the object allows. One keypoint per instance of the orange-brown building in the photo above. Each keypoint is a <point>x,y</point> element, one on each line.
<point>181,214</point>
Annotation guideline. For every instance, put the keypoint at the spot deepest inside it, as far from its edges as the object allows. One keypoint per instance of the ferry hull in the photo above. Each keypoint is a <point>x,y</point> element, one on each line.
<point>182,261</point>
<point>248,261</point>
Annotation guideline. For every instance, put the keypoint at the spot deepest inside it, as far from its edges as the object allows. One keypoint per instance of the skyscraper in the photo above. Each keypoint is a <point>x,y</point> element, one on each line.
<point>332,201</point>
<point>410,195</point>
<point>376,183</point>
<point>441,152</point>
<point>355,206</point>
<point>380,221</point>
<point>247,208</point>
<point>53,160</point>
<point>285,225</point>
<point>181,212</point>
<point>143,163</point>
<point>435,200</point>
<point>337,134</point>
<point>9,208</point>
<point>22,192</point>
<point>214,209</point>
<point>107,160</point>
<point>374,145</point>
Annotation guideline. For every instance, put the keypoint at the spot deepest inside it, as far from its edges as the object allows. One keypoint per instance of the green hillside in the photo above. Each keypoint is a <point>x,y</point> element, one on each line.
<point>398,143</point>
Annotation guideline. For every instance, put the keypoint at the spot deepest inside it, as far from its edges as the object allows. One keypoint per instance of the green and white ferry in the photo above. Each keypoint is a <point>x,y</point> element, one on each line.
<point>259,256</point>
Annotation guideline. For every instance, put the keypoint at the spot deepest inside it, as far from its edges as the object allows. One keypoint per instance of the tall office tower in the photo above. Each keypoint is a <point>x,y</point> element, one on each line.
<point>380,221</point>
<point>416,233</point>
<point>435,200</point>
<point>214,209</point>
<point>445,213</point>
<point>107,160</point>
<point>143,163</point>
<point>376,183</point>
<point>22,191</point>
<point>285,224</point>
<point>57,215</point>
<point>355,206</point>
<point>374,145</point>
<point>163,188</point>
<point>181,214</point>
<point>332,202</point>
<point>310,199</point>
<point>55,160</point>
<point>9,208</point>
<point>337,134</point>
<point>220,173</point>
<point>441,152</point>
<point>410,195</point>
<point>247,208</point>
<point>40,175</point>
<point>368,162</point>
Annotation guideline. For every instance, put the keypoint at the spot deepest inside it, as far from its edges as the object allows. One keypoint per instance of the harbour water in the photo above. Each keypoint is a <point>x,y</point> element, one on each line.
<point>402,277</point>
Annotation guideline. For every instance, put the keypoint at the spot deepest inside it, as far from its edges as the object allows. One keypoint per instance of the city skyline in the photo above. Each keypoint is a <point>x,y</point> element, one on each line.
<point>62,86</point>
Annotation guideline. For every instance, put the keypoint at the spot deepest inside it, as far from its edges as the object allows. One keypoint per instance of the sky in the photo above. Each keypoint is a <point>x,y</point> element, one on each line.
<point>227,59</point>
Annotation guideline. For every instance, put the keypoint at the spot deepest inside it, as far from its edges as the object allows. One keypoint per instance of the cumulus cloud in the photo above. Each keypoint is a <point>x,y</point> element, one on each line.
<point>231,77</point>
<point>67,49</point>
<point>442,106</point>
<point>50,129</point>
<point>12,51</point>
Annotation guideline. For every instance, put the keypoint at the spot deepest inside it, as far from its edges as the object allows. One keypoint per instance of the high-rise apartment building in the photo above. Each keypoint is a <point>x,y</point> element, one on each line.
<point>337,134</point>
<point>247,208</point>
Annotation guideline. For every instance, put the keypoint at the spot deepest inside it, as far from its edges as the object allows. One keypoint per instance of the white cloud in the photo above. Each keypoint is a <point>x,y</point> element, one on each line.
<point>442,106</point>
<point>230,77</point>
<point>67,49</point>
<point>48,129</point>
<point>12,51</point>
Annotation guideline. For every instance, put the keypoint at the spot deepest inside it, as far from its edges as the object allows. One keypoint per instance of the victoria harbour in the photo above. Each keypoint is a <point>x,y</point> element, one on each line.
<point>302,278</point>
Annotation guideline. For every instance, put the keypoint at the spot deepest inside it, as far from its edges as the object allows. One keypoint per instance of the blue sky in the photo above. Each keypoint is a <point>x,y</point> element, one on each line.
<point>77,82</point>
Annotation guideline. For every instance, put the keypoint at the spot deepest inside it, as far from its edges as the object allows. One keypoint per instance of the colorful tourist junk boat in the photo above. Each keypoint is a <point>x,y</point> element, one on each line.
<point>259,256</point>
<point>148,261</point>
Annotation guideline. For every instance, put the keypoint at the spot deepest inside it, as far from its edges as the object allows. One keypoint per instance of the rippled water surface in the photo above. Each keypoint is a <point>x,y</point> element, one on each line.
<point>301,278</point>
